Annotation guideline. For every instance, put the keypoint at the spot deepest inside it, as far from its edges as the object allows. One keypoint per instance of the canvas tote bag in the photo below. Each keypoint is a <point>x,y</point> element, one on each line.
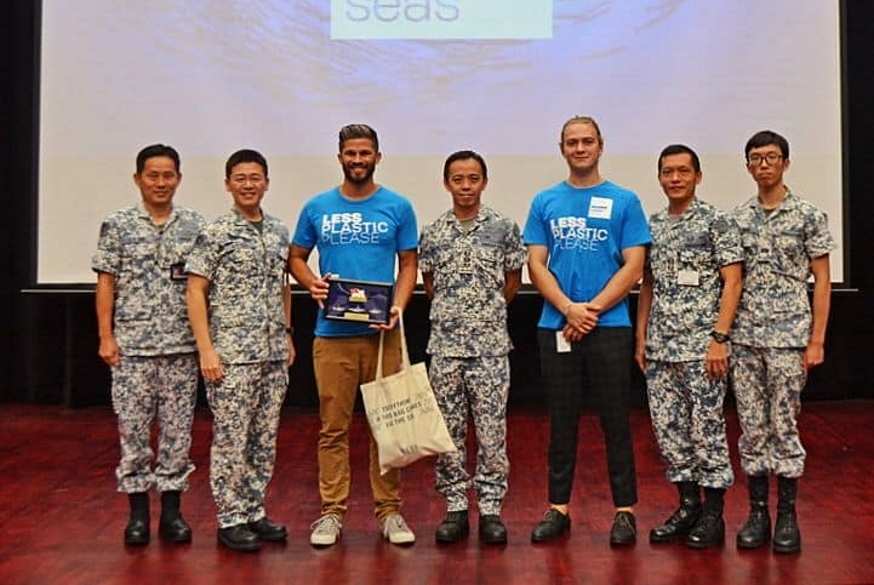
<point>403,413</point>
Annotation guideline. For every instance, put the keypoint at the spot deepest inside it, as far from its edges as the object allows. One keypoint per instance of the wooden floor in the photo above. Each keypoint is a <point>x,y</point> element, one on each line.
<point>61,519</point>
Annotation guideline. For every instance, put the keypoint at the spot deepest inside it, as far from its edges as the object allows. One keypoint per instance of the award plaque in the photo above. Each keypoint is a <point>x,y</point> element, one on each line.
<point>359,300</point>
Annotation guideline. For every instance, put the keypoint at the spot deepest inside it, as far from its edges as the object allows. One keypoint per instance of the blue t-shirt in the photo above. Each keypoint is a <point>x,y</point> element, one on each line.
<point>585,231</point>
<point>356,239</point>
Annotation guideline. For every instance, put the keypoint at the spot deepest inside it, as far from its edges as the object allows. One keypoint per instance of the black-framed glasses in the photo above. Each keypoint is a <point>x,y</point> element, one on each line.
<point>772,158</point>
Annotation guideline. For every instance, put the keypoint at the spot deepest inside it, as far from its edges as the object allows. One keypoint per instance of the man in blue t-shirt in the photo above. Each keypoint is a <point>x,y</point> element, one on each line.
<point>586,241</point>
<point>359,228</point>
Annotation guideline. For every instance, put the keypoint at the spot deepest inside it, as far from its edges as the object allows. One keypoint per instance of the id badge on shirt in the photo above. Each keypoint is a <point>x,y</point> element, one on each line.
<point>687,278</point>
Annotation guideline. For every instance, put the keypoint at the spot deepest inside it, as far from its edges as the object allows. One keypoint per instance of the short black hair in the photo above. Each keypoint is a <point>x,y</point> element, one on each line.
<point>464,155</point>
<point>247,155</point>
<point>155,150</point>
<point>353,131</point>
<point>672,149</point>
<point>767,138</point>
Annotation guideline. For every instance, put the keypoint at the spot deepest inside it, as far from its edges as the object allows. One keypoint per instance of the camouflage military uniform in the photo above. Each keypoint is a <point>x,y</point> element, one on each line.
<point>247,271</point>
<point>686,405</point>
<point>157,374</point>
<point>772,328</point>
<point>469,343</point>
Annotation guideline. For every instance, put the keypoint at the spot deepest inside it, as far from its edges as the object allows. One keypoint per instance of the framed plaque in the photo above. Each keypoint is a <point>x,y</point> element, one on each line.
<point>359,300</point>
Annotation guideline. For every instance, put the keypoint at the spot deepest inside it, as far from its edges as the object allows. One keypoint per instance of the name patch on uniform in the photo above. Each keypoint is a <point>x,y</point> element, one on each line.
<point>687,278</point>
<point>600,208</point>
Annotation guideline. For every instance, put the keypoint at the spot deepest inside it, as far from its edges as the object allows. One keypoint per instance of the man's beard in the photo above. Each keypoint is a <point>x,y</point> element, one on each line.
<point>348,170</point>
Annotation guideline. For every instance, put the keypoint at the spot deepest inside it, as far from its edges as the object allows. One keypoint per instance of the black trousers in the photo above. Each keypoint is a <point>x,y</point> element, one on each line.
<point>598,366</point>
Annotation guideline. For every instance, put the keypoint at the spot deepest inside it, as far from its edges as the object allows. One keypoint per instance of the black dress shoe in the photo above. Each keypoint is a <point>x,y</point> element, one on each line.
<point>709,531</point>
<point>553,525</point>
<point>624,529</point>
<point>492,530</point>
<point>136,533</point>
<point>239,538</point>
<point>453,528</point>
<point>174,528</point>
<point>268,530</point>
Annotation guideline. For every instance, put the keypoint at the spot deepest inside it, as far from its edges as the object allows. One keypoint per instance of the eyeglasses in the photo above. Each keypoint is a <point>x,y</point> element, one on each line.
<point>772,158</point>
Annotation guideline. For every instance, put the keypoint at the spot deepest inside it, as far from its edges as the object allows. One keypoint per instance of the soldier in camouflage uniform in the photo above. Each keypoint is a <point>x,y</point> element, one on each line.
<point>146,340</point>
<point>239,304</point>
<point>471,260</point>
<point>688,299</point>
<point>776,337</point>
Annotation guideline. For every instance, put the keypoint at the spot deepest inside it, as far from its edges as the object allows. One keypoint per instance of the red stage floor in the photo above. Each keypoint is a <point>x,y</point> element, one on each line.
<point>61,520</point>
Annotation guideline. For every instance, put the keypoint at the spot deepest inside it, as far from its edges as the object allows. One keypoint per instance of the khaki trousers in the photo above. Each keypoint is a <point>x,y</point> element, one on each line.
<point>341,365</point>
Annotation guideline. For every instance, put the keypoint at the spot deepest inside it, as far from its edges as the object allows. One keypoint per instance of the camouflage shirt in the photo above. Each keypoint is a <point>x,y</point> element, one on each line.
<point>246,269</point>
<point>774,308</point>
<point>149,316</point>
<point>684,259</point>
<point>468,312</point>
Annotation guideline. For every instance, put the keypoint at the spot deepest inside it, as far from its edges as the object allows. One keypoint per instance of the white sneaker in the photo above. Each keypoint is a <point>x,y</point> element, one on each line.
<point>326,530</point>
<point>396,531</point>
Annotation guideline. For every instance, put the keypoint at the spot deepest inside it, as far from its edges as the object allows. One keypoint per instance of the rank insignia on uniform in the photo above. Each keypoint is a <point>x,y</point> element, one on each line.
<point>359,300</point>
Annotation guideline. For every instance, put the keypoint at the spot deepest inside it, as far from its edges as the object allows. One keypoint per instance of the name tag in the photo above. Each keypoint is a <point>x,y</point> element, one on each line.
<point>687,278</point>
<point>600,208</point>
<point>562,345</point>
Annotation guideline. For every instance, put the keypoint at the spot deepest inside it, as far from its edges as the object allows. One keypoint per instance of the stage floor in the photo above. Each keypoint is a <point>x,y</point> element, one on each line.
<point>61,519</point>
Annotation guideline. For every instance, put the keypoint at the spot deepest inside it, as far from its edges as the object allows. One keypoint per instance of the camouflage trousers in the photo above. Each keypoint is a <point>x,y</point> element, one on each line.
<point>479,386</point>
<point>688,420</point>
<point>767,385</point>
<point>143,389</point>
<point>245,406</point>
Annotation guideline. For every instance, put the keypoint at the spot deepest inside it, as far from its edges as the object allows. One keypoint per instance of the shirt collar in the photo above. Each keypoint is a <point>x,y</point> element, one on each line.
<point>242,220</point>
<point>143,213</point>
<point>789,202</point>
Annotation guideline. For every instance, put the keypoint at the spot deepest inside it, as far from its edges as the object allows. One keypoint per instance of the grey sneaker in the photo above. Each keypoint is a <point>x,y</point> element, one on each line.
<point>396,531</point>
<point>326,530</point>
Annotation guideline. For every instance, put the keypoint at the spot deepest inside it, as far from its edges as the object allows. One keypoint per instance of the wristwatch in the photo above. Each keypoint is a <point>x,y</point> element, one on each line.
<point>719,336</point>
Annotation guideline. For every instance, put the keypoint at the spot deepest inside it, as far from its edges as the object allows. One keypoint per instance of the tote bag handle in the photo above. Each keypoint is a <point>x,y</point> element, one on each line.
<point>405,354</point>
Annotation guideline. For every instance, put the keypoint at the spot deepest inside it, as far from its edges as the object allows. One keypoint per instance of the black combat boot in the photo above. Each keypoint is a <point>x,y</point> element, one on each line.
<point>710,529</point>
<point>173,527</point>
<point>492,530</point>
<point>137,530</point>
<point>787,537</point>
<point>683,518</point>
<point>453,528</point>
<point>757,530</point>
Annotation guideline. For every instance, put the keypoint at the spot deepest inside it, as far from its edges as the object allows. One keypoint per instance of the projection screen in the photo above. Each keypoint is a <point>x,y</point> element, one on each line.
<point>432,76</point>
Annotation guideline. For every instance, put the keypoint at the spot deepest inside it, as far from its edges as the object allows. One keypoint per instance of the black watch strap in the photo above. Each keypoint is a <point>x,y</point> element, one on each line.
<point>719,336</point>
